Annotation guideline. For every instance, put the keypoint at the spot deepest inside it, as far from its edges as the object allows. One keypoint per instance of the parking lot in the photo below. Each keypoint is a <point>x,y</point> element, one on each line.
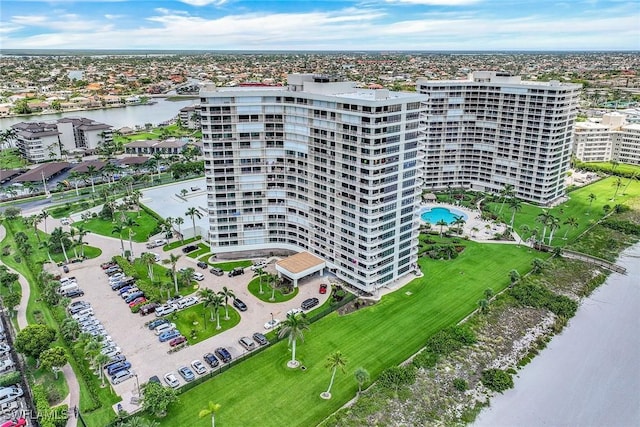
<point>140,345</point>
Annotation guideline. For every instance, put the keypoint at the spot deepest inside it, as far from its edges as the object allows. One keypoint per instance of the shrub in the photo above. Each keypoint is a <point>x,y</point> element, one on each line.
<point>396,377</point>
<point>47,416</point>
<point>496,380</point>
<point>538,296</point>
<point>460,384</point>
<point>9,379</point>
<point>425,359</point>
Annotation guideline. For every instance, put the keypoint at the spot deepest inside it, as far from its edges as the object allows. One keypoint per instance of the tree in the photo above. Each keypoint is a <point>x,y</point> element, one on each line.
<point>514,276</point>
<point>617,183</point>
<point>515,205</point>
<point>211,409</point>
<point>397,376</point>
<point>179,221</point>
<point>44,215</point>
<point>226,293</point>
<point>483,305</point>
<point>207,295</point>
<point>335,361</point>
<point>488,293</point>
<point>259,272</point>
<point>554,224</point>
<point>81,232</point>
<point>12,212</point>
<point>118,229</point>
<point>537,265</point>
<point>149,260</point>
<point>441,223</point>
<point>459,222</point>
<point>11,301</point>
<point>293,327</point>
<point>58,239</point>
<point>506,192</point>
<point>591,198</point>
<point>70,329</point>
<point>173,260</point>
<point>215,302</point>
<point>92,171</point>
<point>193,213</point>
<point>156,398</point>
<point>543,218</point>
<point>33,339</point>
<point>100,360</point>
<point>362,376</point>
<point>139,422</point>
<point>52,358</point>
<point>186,276</point>
<point>572,222</point>
<point>632,178</point>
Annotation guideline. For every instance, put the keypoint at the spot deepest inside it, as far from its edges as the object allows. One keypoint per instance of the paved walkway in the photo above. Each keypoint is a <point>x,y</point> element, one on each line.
<point>24,287</point>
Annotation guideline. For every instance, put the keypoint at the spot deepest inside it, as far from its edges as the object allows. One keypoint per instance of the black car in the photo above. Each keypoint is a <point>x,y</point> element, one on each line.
<point>202,264</point>
<point>223,354</point>
<point>115,359</point>
<point>217,271</point>
<point>211,360</point>
<point>309,303</point>
<point>236,272</point>
<point>260,339</point>
<point>154,379</point>
<point>148,309</point>
<point>74,293</point>
<point>239,304</point>
<point>65,268</point>
<point>189,248</point>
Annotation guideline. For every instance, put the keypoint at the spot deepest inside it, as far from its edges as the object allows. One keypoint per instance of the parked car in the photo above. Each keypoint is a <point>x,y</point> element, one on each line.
<point>309,303</point>
<point>236,272</point>
<point>154,379</point>
<point>6,364</point>
<point>260,339</point>
<point>187,302</point>
<point>223,354</point>
<point>156,256</point>
<point>294,311</point>
<point>271,324</point>
<point>202,264</point>
<point>137,301</point>
<point>134,296</point>
<point>247,343</point>
<point>65,221</point>
<point>120,366</point>
<point>148,308</point>
<point>20,422</point>
<point>65,268</point>
<point>216,271</point>
<point>197,276</point>
<point>239,304</point>
<point>163,310</point>
<point>77,306</point>
<point>186,373</point>
<point>11,393</point>
<point>323,288</point>
<point>211,359</point>
<point>156,243</point>
<point>107,264</point>
<point>74,293</point>
<point>258,265</point>
<point>198,367</point>
<point>165,327</point>
<point>155,323</point>
<point>169,335</point>
<point>177,341</point>
<point>189,248</point>
<point>124,289</point>
<point>171,380</point>
<point>121,376</point>
<point>4,349</point>
<point>113,351</point>
<point>115,359</point>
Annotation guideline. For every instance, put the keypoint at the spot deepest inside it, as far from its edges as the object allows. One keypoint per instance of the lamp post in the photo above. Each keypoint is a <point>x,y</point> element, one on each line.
<point>137,384</point>
<point>271,317</point>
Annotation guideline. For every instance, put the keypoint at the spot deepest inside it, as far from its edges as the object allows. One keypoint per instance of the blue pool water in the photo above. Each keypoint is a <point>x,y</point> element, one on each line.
<point>434,215</point>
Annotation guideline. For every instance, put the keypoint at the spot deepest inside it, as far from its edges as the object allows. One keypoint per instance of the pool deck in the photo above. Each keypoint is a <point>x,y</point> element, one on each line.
<point>476,228</point>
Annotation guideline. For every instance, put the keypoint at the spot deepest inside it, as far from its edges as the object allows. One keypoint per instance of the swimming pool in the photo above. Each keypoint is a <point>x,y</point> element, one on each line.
<point>448,215</point>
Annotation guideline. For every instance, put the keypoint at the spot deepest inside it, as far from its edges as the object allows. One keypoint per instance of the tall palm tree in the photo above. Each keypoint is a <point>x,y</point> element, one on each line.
<point>335,361</point>
<point>173,260</point>
<point>459,222</point>
<point>59,235</point>
<point>207,295</point>
<point>362,376</point>
<point>119,229</point>
<point>179,221</point>
<point>272,281</point>
<point>100,360</point>
<point>136,195</point>
<point>441,223</point>
<point>506,192</point>
<point>259,272</point>
<point>44,215</point>
<point>554,224</point>
<point>617,183</point>
<point>633,177</point>
<point>129,223</point>
<point>92,172</point>
<point>524,229</point>
<point>193,213</point>
<point>149,260</point>
<point>81,232</point>
<point>543,218</point>
<point>211,409</point>
<point>47,244</point>
<point>293,327</point>
<point>35,220</point>
<point>515,205</point>
<point>591,198</point>
<point>215,302</point>
<point>226,293</point>
<point>572,222</point>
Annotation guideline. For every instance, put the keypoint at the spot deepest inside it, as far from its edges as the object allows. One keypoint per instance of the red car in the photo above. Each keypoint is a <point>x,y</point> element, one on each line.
<point>106,265</point>
<point>137,301</point>
<point>20,422</point>
<point>323,288</point>
<point>177,341</point>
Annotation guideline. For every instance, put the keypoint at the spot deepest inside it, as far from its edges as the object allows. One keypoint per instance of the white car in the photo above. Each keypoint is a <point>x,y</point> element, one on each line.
<point>164,310</point>
<point>294,311</point>
<point>197,276</point>
<point>198,367</point>
<point>6,364</point>
<point>271,324</point>
<point>259,264</point>
<point>187,302</point>
<point>4,349</point>
<point>171,380</point>
<point>65,221</point>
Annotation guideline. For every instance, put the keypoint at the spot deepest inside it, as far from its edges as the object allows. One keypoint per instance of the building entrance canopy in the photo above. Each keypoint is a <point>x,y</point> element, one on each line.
<point>300,265</point>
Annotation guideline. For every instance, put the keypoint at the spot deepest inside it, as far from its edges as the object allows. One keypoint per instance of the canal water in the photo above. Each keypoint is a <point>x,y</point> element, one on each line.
<point>130,116</point>
<point>590,374</point>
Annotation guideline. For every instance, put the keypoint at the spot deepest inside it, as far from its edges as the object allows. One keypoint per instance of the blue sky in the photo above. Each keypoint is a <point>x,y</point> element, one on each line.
<point>322,25</point>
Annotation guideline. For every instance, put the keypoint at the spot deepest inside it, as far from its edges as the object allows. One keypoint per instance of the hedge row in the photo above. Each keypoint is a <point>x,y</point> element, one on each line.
<point>48,416</point>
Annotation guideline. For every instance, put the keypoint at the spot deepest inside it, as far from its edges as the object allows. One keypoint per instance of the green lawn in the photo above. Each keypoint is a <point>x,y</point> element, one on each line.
<point>230,265</point>
<point>10,159</point>
<point>254,288</point>
<point>196,325</point>
<point>179,243</point>
<point>622,167</point>
<point>374,338</point>
<point>203,248</point>
<point>146,225</point>
<point>577,206</point>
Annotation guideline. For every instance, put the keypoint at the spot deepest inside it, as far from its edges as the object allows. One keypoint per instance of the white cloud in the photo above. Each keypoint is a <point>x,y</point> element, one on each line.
<point>204,2</point>
<point>437,2</point>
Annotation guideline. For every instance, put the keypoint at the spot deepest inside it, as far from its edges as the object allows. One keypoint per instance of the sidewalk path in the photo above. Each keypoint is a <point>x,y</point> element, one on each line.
<point>24,287</point>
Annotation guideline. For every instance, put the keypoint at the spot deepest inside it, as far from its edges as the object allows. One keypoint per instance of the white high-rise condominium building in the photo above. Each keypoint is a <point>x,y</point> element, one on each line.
<point>494,130</point>
<point>608,138</point>
<point>319,166</point>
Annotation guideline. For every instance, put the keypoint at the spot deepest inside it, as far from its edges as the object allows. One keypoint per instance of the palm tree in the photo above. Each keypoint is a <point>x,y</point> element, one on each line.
<point>92,171</point>
<point>81,232</point>
<point>362,376</point>
<point>226,293</point>
<point>216,301</point>
<point>537,265</point>
<point>293,327</point>
<point>524,229</point>
<point>272,281</point>
<point>149,260</point>
<point>139,422</point>
<point>193,213</point>
<point>514,276</point>
<point>101,360</point>
<point>207,295</point>
<point>632,178</point>
<point>459,222</point>
<point>44,215</point>
<point>543,218</point>
<point>259,272</point>
<point>47,244</point>
<point>617,183</point>
<point>591,198</point>
<point>129,223</point>
<point>483,305</point>
<point>441,223</point>
<point>515,205</point>
<point>136,195</point>
<point>173,260</point>
<point>179,221</point>
<point>185,276</point>
<point>35,220</point>
<point>571,222</point>
<point>506,192</point>
<point>119,229</point>
<point>554,224</point>
<point>58,235</point>
<point>335,361</point>
<point>211,409</point>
